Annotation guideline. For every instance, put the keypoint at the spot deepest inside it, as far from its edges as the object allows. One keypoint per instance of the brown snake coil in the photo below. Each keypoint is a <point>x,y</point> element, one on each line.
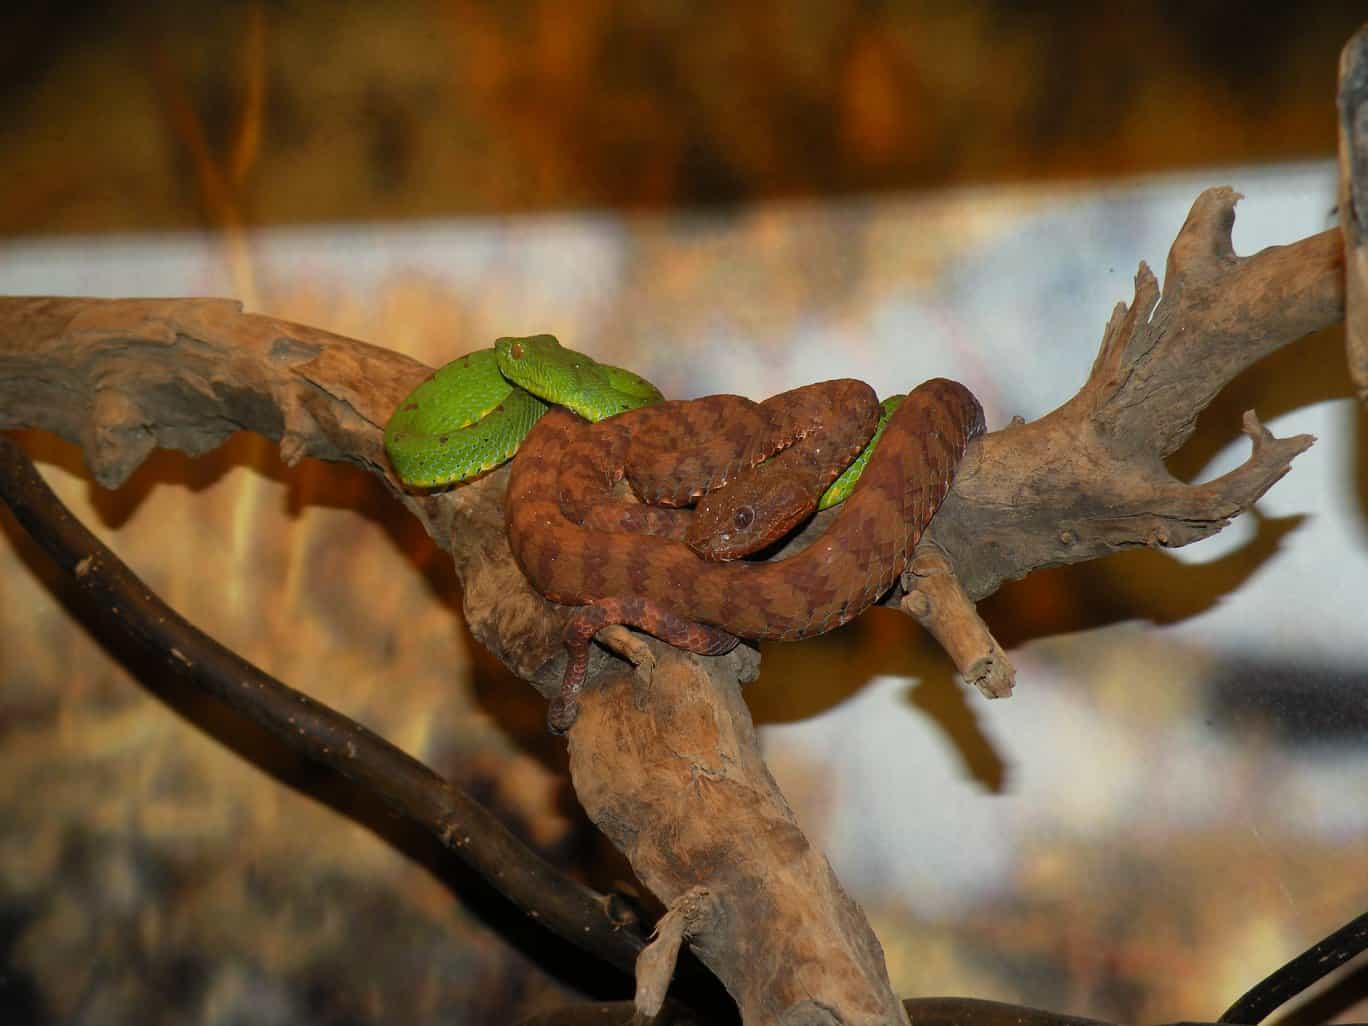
<point>679,451</point>
<point>660,586</point>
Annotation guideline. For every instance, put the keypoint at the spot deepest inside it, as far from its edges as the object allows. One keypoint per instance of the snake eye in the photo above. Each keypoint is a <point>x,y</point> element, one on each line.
<point>742,517</point>
<point>515,351</point>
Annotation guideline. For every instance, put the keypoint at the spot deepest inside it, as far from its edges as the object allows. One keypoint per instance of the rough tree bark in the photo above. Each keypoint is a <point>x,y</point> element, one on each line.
<point>672,772</point>
<point>1353,202</point>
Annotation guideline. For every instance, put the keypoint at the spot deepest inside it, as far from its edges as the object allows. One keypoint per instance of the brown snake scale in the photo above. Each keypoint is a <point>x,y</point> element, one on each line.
<point>660,586</point>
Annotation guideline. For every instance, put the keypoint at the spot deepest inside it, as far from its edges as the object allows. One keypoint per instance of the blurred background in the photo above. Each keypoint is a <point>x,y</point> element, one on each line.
<point>1169,807</point>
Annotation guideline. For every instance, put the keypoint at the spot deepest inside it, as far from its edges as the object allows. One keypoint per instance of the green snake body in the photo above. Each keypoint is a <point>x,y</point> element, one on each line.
<point>465,419</point>
<point>474,412</point>
<point>562,376</point>
<point>841,488</point>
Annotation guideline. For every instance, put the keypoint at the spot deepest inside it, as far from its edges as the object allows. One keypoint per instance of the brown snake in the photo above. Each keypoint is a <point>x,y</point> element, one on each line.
<point>660,586</point>
<point>680,451</point>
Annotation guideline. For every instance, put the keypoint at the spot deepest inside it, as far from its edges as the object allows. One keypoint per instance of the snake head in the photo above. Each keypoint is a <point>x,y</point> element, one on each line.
<point>520,348</point>
<point>538,363</point>
<point>750,513</point>
<point>554,374</point>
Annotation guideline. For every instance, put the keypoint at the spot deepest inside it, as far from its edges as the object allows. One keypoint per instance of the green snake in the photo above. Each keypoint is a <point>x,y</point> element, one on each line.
<point>473,413</point>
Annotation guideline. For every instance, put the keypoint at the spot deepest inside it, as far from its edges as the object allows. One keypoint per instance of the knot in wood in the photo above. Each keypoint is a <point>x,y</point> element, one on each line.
<point>918,604</point>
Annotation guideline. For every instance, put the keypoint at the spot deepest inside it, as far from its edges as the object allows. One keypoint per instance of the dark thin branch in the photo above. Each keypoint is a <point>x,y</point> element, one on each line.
<point>566,907</point>
<point>927,1011</point>
<point>1311,966</point>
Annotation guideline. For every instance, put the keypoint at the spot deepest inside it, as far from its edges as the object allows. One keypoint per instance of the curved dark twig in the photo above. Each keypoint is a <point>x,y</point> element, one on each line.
<point>925,1011</point>
<point>958,1011</point>
<point>566,907</point>
<point>1312,965</point>
<point>621,1013</point>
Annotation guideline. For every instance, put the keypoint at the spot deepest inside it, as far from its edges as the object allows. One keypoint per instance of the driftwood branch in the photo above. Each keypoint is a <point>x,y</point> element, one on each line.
<point>664,759</point>
<point>1353,202</point>
<point>1089,478</point>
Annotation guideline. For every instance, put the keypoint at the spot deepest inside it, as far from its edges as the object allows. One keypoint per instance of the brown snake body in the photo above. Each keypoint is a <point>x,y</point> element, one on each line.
<point>661,586</point>
<point>674,452</point>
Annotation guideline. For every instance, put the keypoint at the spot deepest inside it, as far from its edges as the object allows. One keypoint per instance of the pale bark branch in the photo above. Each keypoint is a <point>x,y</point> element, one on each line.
<point>933,597</point>
<point>1089,478</point>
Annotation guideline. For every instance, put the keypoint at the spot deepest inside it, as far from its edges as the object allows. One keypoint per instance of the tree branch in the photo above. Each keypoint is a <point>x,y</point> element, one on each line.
<point>413,791</point>
<point>665,761</point>
<point>1353,202</point>
<point>1089,478</point>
